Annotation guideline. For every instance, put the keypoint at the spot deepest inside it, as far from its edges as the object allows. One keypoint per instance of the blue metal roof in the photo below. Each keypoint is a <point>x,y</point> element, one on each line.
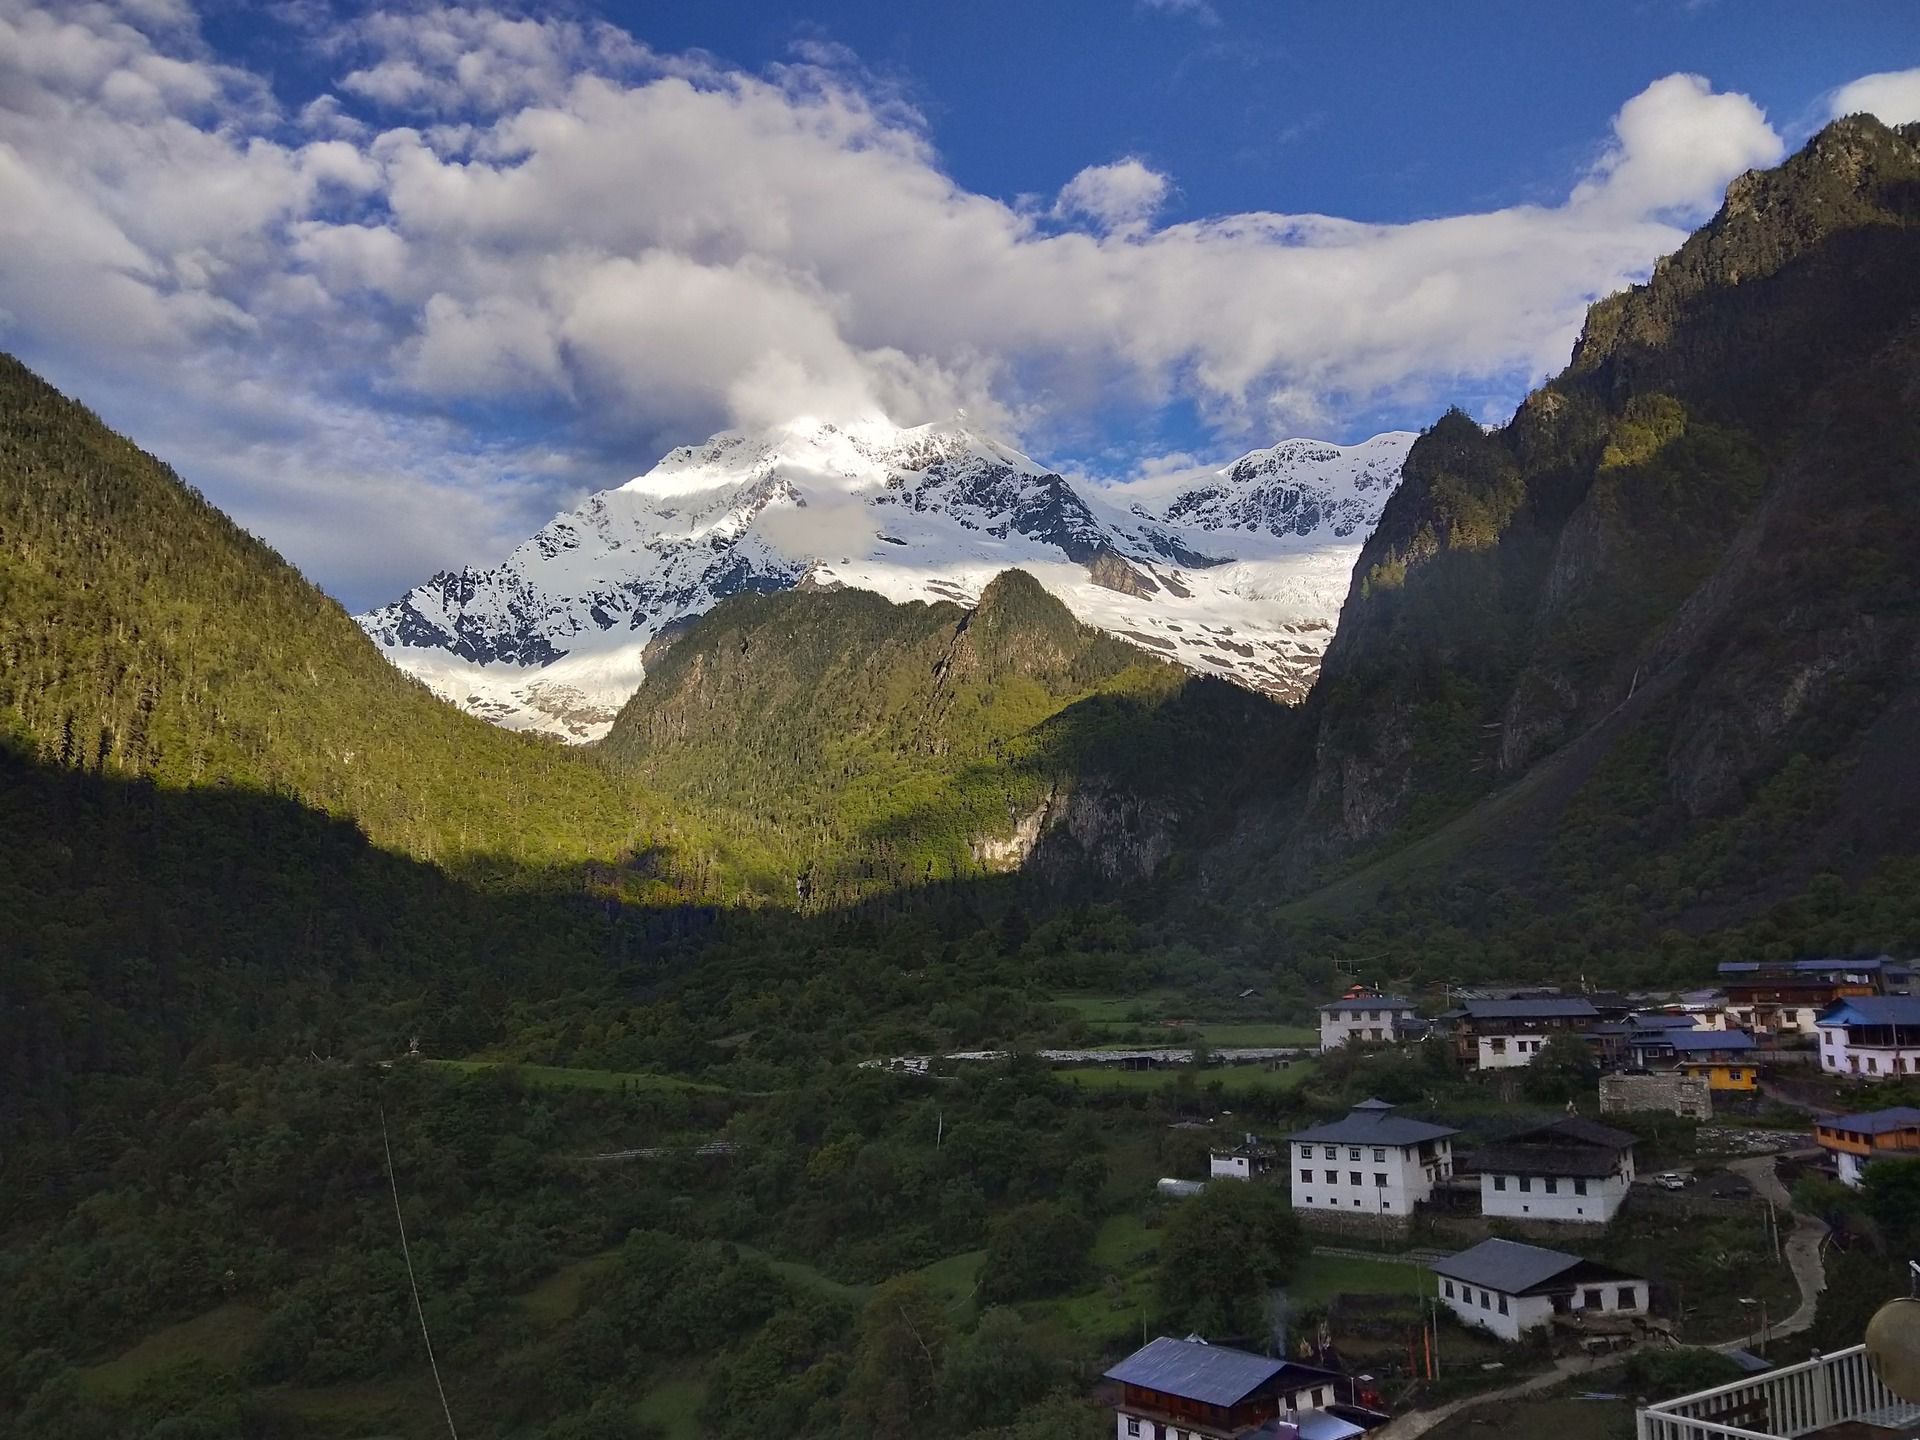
<point>1709,1041</point>
<point>1872,1122</point>
<point>1195,1370</point>
<point>1872,1010</point>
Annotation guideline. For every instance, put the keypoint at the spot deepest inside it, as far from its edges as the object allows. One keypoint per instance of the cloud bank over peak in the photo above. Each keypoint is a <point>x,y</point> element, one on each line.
<point>504,259</point>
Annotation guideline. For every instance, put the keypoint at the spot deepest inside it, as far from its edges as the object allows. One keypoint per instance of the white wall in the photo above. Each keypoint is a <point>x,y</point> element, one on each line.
<point>1502,1195</point>
<point>1525,1312</point>
<point>1875,1062</point>
<point>1515,1050</point>
<point>1408,1181</point>
<point>1229,1167</point>
<point>1372,1026</point>
<point>1850,1168</point>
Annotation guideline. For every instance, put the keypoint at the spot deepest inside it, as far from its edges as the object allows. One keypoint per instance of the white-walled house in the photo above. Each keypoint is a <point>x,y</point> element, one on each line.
<point>1188,1388</point>
<point>1870,1037</point>
<point>1366,1019</point>
<point>1506,1034</point>
<point>1251,1158</point>
<point>1572,1169</point>
<point>1510,1288</point>
<point>1372,1162</point>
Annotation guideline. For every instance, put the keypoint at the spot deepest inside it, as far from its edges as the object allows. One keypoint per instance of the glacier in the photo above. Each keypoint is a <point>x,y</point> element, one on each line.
<point>1237,572</point>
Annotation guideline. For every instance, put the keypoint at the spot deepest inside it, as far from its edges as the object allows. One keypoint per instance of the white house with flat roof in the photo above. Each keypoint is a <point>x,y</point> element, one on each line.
<point>1372,1162</point>
<point>1365,1019</point>
<point>1870,1037</point>
<point>1509,1288</point>
<point>1571,1169</point>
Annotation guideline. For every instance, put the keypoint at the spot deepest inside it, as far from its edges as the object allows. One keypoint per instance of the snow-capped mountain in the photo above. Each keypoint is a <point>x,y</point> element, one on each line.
<point>1238,572</point>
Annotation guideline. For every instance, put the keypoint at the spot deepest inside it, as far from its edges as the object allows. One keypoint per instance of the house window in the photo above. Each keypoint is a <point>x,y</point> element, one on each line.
<point>1306,1177</point>
<point>1333,1177</point>
<point>1579,1187</point>
<point>1733,1075</point>
<point>1133,1425</point>
<point>1354,1175</point>
<point>1353,1152</point>
<point>1591,1299</point>
<point>1526,1185</point>
<point>1873,1066</point>
<point>1330,1152</point>
<point>1320,1396</point>
<point>1497,1045</point>
<point>1503,1304</point>
<point>1499,1182</point>
<point>1627,1299</point>
<point>1447,1285</point>
<point>1379,1179</point>
<point>1552,1185</point>
<point>1379,1154</point>
<point>1486,1301</point>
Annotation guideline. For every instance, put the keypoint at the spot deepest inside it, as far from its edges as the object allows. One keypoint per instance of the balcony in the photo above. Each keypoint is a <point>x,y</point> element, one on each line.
<point>1834,1395</point>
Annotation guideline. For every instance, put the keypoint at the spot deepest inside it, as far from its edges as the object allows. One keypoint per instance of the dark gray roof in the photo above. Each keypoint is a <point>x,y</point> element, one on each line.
<point>1657,1021</point>
<point>1576,1128</point>
<point>1372,1122</point>
<point>1872,1122</point>
<point>1194,1370</point>
<point>1707,1041</point>
<point>1375,1002</point>
<point>1572,1007</point>
<point>1506,1265</point>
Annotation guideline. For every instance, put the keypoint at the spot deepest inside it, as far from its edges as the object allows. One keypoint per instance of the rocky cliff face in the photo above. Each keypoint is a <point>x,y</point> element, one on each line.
<point>1692,528</point>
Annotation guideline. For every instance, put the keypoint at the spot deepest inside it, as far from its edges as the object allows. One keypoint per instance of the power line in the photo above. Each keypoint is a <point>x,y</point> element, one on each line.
<point>413,1284</point>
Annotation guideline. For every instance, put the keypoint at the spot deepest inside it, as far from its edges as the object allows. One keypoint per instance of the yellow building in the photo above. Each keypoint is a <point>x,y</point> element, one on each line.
<point>1723,1058</point>
<point>1853,1140</point>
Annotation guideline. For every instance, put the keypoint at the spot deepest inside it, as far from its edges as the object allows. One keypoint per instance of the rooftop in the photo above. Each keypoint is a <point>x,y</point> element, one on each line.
<point>1574,1128</point>
<point>1506,1265</point>
<point>1658,1021</point>
<point>1572,1007</point>
<point>1872,1122</point>
<point>1707,1042</point>
<point>1369,1002</point>
<point>1873,1010</point>
<point>1372,1122</point>
<point>1208,1374</point>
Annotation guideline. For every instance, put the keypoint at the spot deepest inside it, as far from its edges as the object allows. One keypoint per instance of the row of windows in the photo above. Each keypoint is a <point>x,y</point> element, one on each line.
<point>1899,1065</point>
<point>1548,1185</point>
<point>1321,1395</point>
<point>1466,1296</point>
<point>1353,1178</point>
<point>1332,1152</point>
<point>1498,1045</point>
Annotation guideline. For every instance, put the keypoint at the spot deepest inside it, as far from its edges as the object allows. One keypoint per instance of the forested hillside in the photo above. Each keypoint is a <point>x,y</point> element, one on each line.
<point>144,636</point>
<point>860,745</point>
<point>1664,621</point>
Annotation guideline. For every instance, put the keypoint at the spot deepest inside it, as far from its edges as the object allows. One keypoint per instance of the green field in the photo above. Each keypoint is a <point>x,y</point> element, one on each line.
<point>672,1404</point>
<point>1322,1277</point>
<point>560,1075</point>
<point>1234,1079</point>
<point>1153,1016</point>
<point>217,1339</point>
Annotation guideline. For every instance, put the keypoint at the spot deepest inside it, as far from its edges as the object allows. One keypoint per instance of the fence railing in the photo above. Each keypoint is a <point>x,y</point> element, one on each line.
<point>1782,1404</point>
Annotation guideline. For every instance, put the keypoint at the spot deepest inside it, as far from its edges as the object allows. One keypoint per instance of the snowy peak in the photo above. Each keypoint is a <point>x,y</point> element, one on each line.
<point>1237,572</point>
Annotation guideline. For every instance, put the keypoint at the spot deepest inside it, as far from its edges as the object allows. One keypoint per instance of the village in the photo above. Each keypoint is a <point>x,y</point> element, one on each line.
<point>1550,1247</point>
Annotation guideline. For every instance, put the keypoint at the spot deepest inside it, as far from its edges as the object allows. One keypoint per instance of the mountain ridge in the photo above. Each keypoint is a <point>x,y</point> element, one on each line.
<point>1239,577</point>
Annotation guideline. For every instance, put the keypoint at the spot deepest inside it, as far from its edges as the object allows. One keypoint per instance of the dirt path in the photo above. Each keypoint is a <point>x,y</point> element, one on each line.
<point>1803,1258</point>
<point>1802,1247</point>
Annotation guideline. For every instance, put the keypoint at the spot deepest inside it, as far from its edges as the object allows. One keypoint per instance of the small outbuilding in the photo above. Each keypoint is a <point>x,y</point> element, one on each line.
<point>1510,1288</point>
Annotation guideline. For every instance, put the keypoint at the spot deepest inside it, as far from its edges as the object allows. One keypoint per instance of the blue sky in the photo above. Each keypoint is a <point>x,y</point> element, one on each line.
<point>391,284</point>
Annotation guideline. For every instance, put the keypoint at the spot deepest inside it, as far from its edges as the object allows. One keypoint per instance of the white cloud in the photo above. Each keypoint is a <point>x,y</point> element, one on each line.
<point>1675,142</point>
<point>1126,192</point>
<point>1892,95</point>
<point>544,225</point>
